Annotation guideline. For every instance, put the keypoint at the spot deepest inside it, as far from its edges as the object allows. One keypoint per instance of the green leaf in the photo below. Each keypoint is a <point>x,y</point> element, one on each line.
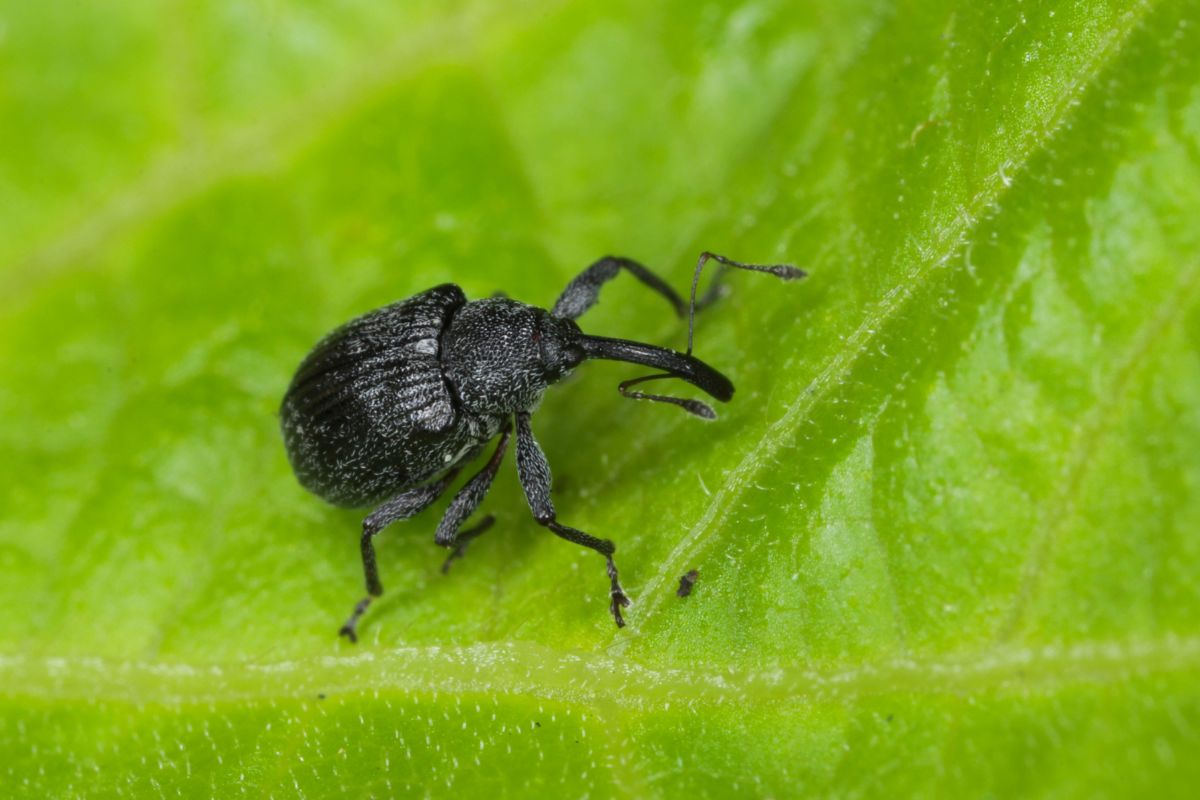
<point>946,531</point>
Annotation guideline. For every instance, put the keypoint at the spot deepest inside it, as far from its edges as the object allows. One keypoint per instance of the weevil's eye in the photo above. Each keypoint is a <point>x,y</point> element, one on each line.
<point>559,347</point>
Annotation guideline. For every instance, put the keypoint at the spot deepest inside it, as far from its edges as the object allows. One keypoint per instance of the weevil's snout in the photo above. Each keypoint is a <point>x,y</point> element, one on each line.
<point>559,347</point>
<point>683,366</point>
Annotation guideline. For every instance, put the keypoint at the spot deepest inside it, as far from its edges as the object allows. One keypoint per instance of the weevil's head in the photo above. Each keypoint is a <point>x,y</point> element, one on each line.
<point>501,355</point>
<point>563,346</point>
<point>684,366</point>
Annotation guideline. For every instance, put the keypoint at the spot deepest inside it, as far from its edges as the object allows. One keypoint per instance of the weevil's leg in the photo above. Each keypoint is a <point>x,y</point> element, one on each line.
<point>534,472</point>
<point>464,504</point>
<point>583,292</point>
<point>402,506</point>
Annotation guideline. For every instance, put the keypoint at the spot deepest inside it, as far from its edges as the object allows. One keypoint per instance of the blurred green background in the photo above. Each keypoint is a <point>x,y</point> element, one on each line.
<point>948,530</point>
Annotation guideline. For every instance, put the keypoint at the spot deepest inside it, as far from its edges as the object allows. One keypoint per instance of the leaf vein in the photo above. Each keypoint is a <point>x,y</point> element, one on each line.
<point>526,669</point>
<point>1062,506</point>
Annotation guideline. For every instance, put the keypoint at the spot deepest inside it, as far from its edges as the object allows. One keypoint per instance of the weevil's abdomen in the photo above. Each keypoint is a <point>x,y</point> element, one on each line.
<point>368,412</point>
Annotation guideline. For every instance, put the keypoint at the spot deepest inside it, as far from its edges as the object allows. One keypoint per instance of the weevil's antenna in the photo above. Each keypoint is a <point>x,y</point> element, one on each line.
<point>782,271</point>
<point>700,409</point>
<point>684,365</point>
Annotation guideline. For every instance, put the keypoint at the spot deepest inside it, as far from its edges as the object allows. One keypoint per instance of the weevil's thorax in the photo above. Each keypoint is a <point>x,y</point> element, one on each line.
<point>499,355</point>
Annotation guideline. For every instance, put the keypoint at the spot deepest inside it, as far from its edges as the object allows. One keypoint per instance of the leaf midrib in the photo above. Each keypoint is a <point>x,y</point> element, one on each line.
<point>526,669</point>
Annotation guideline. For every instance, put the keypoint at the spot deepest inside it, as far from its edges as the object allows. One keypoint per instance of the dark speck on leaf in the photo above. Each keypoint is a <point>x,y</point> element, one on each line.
<point>686,582</point>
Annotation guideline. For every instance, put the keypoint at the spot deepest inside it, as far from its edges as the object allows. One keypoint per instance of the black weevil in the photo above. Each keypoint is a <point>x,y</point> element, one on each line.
<point>387,408</point>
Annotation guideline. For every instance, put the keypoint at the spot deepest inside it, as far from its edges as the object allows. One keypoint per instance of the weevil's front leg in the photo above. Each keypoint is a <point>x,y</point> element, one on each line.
<point>583,292</point>
<point>402,506</point>
<point>534,472</point>
<point>464,504</point>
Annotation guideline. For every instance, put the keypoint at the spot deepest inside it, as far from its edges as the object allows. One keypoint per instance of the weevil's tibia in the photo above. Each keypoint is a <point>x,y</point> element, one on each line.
<point>583,292</point>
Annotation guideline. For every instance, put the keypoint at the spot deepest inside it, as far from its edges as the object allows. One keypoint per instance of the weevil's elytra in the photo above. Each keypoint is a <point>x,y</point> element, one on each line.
<point>386,409</point>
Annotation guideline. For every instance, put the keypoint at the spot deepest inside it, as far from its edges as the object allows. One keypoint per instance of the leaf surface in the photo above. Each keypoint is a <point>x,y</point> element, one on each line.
<point>946,531</point>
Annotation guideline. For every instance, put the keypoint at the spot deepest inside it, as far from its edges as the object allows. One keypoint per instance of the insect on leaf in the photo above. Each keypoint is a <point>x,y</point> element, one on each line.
<point>946,527</point>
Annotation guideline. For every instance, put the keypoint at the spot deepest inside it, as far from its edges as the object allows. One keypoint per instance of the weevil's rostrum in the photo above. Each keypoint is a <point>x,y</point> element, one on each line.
<point>387,408</point>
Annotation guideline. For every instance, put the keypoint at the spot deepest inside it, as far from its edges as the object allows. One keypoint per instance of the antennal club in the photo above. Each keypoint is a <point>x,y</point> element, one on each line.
<point>700,409</point>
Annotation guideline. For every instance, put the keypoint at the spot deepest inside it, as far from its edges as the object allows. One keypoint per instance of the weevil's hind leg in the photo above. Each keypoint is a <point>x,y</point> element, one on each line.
<point>464,504</point>
<point>402,506</point>
<point>534,472</point>
<point>583,292</point>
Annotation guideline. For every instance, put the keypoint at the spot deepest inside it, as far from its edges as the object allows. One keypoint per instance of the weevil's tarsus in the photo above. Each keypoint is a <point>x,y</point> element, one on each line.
<point>350,628</point>
<point>617,597</point>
